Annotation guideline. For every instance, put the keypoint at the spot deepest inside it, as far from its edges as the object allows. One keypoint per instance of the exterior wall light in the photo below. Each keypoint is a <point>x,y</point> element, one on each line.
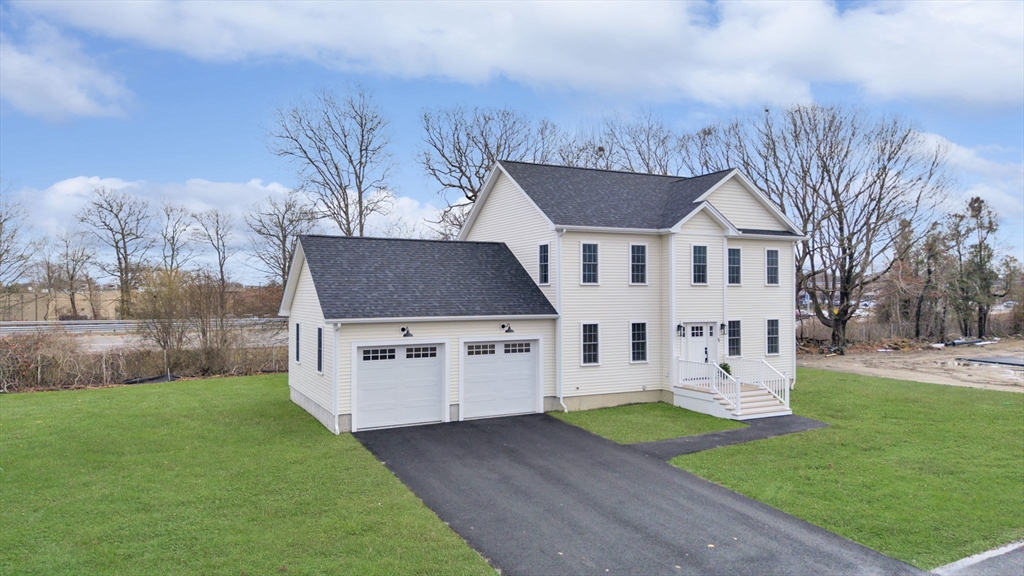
<point>507,328</point>
<point>406,333</point>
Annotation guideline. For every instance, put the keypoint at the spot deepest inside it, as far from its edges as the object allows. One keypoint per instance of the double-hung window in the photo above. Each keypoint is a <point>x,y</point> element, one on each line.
<point>542,264</point>
<point>297,341</point>
<point>734,338</point>
<point>772,331</point>
<point>590,343</point>
<point>638,341</point>
<point>735,267</point>
<point>771,258</point>
<point>320,350</point>
<point>700,264</point>
<point>638,264</point>
<point>588,253</point>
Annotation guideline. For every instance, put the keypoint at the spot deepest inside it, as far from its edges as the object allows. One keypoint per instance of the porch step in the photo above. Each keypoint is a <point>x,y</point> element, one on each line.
<point>755,403</point>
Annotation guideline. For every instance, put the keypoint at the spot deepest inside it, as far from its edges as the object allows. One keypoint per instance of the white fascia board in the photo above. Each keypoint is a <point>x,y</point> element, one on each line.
<point>773,237</point>
<point>481,198</point>
<point>441,319</point>
<point>730,229</point>
<point>756,193</point>
<point>611,230</point>
<point>293,281</point>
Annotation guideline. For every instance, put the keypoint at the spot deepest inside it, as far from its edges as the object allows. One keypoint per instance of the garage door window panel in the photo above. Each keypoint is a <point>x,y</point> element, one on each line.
<point>421,352</point>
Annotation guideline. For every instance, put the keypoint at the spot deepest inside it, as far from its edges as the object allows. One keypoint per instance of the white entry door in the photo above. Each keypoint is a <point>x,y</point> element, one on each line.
<point>399,385</point>
<point>701,342</point>
<point>500,378</point>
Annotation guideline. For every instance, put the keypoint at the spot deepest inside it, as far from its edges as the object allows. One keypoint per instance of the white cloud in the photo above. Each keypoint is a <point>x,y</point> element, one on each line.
<point>721,53</point>
<point>47,75</point>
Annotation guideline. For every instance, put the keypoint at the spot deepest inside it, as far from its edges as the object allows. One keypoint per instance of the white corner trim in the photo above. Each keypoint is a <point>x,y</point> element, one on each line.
<point>298,260</point>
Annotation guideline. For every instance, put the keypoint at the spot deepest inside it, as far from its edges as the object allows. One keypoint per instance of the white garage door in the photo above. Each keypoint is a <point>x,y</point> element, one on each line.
<point>499,378</point>
<point>399,385</point>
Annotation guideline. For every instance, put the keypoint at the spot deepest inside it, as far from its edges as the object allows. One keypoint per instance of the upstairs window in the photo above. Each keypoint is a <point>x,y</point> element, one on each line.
<point>771,267</point>
<point>542,264</point>
<point>589,340</point>
<point>638,341</point>
<point>734,338</point>
<point>637,264</point>
<point>319,349</point>
<point>589,259</point>
<point>735,270</point>
<point>700,264</point>
<point>772,345</point>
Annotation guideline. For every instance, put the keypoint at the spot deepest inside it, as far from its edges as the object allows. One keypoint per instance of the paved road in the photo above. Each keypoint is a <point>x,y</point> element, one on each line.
<point>537,496</point>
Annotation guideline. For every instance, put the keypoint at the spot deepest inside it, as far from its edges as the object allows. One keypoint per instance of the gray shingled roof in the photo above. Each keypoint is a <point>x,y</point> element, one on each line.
<point>391,278</point>
<point>605,198</point>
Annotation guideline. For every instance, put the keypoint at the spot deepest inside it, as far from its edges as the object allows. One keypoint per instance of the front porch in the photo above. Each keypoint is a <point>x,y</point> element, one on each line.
<point>754,389</point>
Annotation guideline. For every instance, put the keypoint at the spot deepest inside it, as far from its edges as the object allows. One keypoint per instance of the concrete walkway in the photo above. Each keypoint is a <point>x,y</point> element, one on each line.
<point>535,495</point>
<point>756,430</point>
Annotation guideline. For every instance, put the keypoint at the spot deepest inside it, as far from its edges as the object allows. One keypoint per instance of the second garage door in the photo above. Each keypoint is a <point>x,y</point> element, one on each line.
<point>400,385</point>
<point>500,378</point>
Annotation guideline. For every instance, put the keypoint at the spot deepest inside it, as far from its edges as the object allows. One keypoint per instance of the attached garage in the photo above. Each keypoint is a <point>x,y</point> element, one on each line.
<point>386,332</point>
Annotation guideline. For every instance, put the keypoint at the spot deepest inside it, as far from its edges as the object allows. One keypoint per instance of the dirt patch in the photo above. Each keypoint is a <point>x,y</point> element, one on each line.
<point>930,365</point>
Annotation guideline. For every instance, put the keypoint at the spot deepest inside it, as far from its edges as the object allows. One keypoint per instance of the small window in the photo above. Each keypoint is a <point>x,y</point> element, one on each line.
<point>479,349</point>
<point>638,341</point>
<point>421,352</point>
<point>735,271</point>
<point>542,264</point>
<point>700,264</point>
<point>319,349</point>
<point>379,354</point>
<point>589,269</point>
<point>773,337</point>
<point>517,348</point>
<point>590,344</point>
<point>638,264</point>
<point>772,267</point>
<point>734,338</point>
<point>696,331</point>
<point>297,342</point>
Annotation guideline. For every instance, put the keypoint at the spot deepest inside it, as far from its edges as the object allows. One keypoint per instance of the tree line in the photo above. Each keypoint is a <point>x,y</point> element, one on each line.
<point>873,197</point>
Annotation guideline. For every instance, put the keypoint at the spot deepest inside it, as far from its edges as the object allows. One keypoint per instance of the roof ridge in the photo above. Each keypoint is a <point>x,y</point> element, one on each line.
<point>343,237</point>
<point>616,171</point>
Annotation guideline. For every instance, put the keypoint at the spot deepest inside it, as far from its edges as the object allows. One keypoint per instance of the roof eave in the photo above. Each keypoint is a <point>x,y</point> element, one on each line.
<point>398,319</point>
<point>293,280</point>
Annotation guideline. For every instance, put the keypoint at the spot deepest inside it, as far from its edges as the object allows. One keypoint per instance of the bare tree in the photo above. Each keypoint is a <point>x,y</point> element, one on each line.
<point>214,228</point>
<point>75,255</point>
<point>163,303</point>
<point>461,147</point>
<point>849,180</point>
<point>276,225</point>
<point>644,144</point>
<point>121,223</point>
<point>48,278</point>
<point>16,251</point>
<point>175,223</point>
<point>341,149</point>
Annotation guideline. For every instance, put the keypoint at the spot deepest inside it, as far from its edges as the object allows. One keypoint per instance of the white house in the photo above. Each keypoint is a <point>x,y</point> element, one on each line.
<point>568,289</point>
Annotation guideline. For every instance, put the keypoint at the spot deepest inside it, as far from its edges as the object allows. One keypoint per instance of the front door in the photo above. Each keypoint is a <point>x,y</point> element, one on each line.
<point>701,342</point>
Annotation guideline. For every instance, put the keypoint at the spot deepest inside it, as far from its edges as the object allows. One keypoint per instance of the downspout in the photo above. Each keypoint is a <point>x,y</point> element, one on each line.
<point>792,383</point>
<point>725,299</point>
<point>334,380</point>
<point>673,361</point>
<point>558,321</point>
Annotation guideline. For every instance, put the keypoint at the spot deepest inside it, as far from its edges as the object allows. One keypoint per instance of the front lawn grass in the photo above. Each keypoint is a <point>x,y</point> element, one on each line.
<point>645,422</point>
<point>925,473</point>
<point>222,476</point>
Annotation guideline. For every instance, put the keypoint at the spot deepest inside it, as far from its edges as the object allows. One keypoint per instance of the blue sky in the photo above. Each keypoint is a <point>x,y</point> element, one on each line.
<point>172,100</point>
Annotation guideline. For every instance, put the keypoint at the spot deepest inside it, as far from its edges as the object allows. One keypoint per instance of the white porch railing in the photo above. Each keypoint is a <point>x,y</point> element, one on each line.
<point>708,376</point>
<point>763,375</point>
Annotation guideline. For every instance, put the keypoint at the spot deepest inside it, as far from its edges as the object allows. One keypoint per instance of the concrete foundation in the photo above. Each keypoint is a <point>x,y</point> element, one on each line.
<point>575,403</point>
<point>323,415</point>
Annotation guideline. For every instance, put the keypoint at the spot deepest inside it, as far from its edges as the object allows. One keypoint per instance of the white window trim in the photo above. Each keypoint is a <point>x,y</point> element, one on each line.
<point>727,354</point>
<point>647,267</point>
<point>297,356</point>
<point>766,352</point>
<point>548,244</point>
<point>320,349</point>
<point>599,355</point>
<point>707,266</point>
<point>598,283</point>
<point>647,333</point>
<point>779,260</point>
<point>740,283</point>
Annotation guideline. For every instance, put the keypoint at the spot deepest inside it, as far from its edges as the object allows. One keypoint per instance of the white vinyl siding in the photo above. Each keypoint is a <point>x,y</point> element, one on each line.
<point>589,261</point>
<point>509,216</point>
<point>302,345</point>
<point>741,208</point>
<point>755,301</point>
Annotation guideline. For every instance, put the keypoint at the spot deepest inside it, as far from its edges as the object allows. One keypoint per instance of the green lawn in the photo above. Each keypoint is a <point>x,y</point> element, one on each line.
<point>221,476</point>
<point>644,422</point>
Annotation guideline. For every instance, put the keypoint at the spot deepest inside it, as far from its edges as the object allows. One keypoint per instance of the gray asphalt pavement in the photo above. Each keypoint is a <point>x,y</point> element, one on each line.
<point>1005,564</point>
<point>755,430</point>
<point>537,496</point>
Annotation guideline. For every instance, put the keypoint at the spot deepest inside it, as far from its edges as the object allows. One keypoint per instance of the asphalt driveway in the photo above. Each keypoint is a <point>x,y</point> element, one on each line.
<point>535,495</point>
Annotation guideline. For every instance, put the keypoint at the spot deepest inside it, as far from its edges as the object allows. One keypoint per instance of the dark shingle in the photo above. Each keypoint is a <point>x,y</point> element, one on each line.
<point>389,278</point>
<point>605,198</point>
